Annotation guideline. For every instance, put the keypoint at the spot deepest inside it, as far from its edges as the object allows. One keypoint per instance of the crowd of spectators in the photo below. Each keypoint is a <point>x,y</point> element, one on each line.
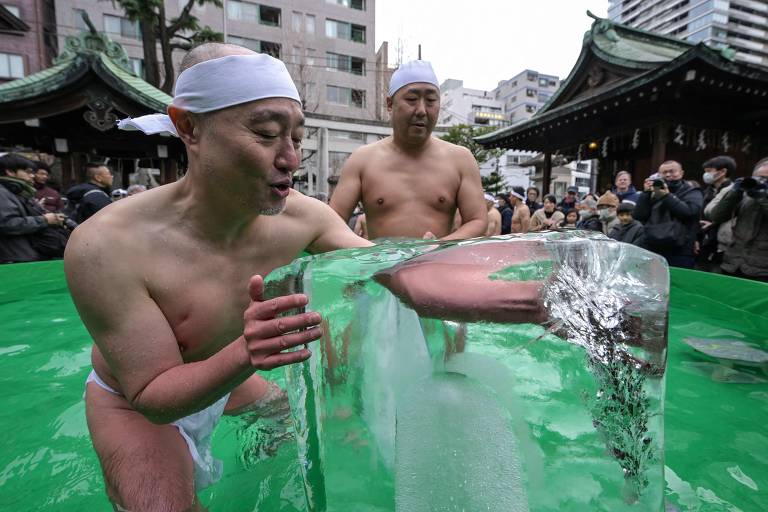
<point>35,218</point>
<point>720,227</point>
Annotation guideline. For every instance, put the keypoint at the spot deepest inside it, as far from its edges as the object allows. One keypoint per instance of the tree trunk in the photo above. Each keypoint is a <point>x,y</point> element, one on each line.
<point>149,40</point>
<point>167,53</point>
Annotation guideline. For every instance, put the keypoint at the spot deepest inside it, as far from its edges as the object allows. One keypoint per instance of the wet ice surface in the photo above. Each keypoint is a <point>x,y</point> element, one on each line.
<point>518,373</point>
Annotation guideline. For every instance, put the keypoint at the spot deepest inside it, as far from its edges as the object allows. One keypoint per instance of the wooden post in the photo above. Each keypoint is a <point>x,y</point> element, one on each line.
<point>546,173</point>
<point>659,149</point>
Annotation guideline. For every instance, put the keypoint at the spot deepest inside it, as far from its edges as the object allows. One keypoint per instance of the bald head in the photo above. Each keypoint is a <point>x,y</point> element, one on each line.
<point>209,51</point>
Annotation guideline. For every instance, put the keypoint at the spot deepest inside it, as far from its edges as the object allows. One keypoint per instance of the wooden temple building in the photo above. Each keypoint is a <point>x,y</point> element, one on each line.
<point>635,99</point>
<point>70,110</point>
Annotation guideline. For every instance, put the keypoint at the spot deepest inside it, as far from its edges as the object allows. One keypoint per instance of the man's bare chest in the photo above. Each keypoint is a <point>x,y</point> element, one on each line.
<point>203,297</point>
<point>392,187</point>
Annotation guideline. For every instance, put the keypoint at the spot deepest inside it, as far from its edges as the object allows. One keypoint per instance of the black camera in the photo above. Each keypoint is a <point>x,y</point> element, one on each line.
<point>69,223</point>
<point>658,183</point>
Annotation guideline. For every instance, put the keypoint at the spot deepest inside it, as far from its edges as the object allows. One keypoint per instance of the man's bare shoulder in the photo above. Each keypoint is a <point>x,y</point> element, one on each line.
<point>377,148</point>
<point>453,149</point>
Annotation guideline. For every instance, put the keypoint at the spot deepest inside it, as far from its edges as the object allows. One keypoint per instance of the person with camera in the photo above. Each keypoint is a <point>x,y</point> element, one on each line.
<point>669,208</point>
<point>27,231</point>
<point>746,202</point>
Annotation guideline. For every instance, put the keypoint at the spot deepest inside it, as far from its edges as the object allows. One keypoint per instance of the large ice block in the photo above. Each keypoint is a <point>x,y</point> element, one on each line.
<point>515,373</point>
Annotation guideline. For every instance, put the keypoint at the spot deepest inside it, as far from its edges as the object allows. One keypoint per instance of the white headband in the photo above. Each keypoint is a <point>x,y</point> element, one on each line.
<point>513,193</point>
<point>416,71</point>
<point>220,83</point>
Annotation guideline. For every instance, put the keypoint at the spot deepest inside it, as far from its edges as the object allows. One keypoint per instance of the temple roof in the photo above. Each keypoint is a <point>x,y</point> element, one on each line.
<point>89,52</point>
<point>621,67</point>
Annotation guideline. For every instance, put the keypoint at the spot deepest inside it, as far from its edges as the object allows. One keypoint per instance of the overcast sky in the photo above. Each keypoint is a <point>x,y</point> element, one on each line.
<point>485,41</point>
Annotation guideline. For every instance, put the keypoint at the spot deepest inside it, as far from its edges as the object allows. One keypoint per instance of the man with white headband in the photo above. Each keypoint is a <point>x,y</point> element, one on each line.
<point>411,183</point>
<point>169,283</point>
<point>521,218</point>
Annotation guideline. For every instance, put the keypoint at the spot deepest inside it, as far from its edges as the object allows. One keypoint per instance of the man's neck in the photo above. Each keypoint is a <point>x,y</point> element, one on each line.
<point>622,190</point>
<point>96,183</point>
<point>411,146</point>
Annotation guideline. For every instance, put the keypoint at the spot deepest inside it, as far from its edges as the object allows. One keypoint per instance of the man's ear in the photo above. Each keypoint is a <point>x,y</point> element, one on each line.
<point>188,132</point>
<point>389,104</point>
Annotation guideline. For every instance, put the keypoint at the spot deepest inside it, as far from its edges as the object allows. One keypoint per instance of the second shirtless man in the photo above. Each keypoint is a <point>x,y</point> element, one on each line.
<point>411,183</point>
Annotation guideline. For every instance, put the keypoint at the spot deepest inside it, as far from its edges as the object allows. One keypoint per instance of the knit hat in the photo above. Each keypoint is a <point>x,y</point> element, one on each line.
<point>608,199</point>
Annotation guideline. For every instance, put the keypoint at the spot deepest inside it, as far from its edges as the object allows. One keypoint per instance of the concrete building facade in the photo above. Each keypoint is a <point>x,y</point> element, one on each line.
<point>524,94</point>
<point>739,24</point>
<point>474,107</point>
<point>327,45</point>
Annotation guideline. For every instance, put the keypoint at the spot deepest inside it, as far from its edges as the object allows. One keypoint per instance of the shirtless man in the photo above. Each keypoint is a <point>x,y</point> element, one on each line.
<point>169,283</point>
<point>411,183</point>
<point>521,218</point>
<point>494,217</point>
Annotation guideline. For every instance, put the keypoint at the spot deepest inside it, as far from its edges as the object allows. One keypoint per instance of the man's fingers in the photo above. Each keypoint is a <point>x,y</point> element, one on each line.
<point>282,325</point>
<point>269,309</point>
<point>280,343</point>
<point>286,358</point>
<point>256,288</point>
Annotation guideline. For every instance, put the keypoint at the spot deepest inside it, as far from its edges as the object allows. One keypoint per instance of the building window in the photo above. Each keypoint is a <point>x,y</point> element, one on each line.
<point>530,109</point>
<point>531,77</point>
<point>346,135</point>
<point>116,25</point>
<point>531,93</point>
<point>310,23</point>
<point>342,30</point>
<point>544,97</point>
<point>79,22</point>
<point>13,9</point>
<point>246,11</point>
<point>346,63</point>
<point>267,47</point>
<point>353,4</point>
<point>138,66</point>
<point>11,66</point>
<point>336,161</point>
<point>345,96</point>
<point>296,19</point>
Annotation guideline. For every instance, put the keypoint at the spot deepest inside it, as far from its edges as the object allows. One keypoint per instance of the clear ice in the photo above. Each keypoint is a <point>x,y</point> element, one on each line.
<point>514,373</point>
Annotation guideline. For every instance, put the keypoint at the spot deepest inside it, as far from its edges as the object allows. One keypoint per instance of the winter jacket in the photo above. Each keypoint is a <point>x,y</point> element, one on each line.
<point>565,206</point>
<point>506,220</point>
<point>539,216</point>
<point>684,206</point>
<point>533,205</point>
<point>18,223</point>
<point>748,251</point>
<point>631,233</point>
<point>631,194</point>
<point>89,199</point>
<point>590,223</point>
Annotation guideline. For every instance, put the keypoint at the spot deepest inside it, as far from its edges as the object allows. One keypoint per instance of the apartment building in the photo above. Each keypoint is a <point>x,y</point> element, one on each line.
<point>741,25</point>
<point>27,37</point>
<point>524,94</point>
<point>462,105</point>
<point>327,45</point>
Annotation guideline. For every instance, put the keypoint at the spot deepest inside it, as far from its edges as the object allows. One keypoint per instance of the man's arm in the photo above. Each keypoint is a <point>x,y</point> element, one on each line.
<point>524,217</point>
<point>141,349</point>
<point>332,232</point>
<point>14,222</point>
<point>642,211</point>
<point>349,189</point>
<point>684,209</point>
<point>470,200</point>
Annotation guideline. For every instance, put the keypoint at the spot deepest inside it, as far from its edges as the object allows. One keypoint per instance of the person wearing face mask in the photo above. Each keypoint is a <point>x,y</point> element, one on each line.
<point>588,218</point>
<point>714,238</point>
<point>745,201</point>
<point>606,211</point>
<point>669,208</point>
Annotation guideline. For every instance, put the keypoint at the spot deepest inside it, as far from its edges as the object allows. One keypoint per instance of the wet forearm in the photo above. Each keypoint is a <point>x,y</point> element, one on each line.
<point>470,229</point>
<point>191,387</point>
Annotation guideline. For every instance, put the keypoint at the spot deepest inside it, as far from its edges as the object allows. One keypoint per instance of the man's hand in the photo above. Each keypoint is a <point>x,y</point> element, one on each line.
<point>54,219</point>
<point>660,192</point>
<point>705,225</point>
<point>429,236</point>
<point>267,337</point>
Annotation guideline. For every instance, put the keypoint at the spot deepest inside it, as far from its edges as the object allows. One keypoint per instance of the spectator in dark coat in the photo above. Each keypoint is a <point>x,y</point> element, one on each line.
<point>623,187</point>
<point>713,238</point>
<point>628,230</point>
<point>747,201</point>
<point>588,217</point>
<point>21,218</point>
<point>532,199</point>
<point>570,200</point>
<point>93,195</point>
<point>506,213</point>
<point>669,209</point>
<point>48,197</point>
